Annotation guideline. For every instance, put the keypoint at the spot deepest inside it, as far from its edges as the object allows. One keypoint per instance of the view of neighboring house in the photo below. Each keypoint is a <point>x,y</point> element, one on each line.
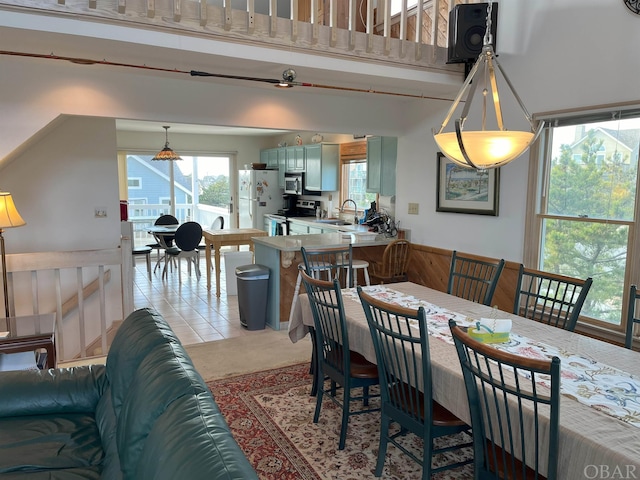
<point>615,144</point>
<point>148,184</point>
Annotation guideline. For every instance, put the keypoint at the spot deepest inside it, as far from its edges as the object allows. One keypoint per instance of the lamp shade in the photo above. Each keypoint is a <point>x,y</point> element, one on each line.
<point>485,148</point>
<point>166,153</point>
<point>9,216</point>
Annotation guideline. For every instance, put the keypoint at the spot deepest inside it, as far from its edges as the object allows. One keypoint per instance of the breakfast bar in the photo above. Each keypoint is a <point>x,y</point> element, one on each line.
<point>282,255</point>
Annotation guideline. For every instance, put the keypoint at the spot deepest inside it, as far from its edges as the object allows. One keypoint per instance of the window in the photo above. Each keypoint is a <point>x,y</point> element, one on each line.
<point>586,203</point>
<point>354,184</point>
<point>134,183</point>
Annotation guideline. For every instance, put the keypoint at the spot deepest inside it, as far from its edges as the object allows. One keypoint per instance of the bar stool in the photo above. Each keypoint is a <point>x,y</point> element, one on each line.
<point>360,264</point>
<point>146,251</point>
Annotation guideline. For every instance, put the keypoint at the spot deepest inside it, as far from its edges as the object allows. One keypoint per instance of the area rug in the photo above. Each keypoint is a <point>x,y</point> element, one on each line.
<point>270,414</point>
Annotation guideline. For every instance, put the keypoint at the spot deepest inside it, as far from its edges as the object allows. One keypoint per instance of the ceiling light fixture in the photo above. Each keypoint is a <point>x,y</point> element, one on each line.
<point>484,148</point>
<point>288,76</point>
<point>166,153</point>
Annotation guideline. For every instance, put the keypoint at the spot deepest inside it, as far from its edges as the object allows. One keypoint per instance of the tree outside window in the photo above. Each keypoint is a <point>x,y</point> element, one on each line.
<point>589,210</point>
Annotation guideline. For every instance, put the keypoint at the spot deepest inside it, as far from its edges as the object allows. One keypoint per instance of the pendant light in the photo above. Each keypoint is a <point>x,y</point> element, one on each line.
<point>166,153</point>
<point>482,149</point>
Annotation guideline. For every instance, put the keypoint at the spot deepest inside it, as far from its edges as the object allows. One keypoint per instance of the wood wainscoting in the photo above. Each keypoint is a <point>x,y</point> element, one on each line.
<point>429,266</point>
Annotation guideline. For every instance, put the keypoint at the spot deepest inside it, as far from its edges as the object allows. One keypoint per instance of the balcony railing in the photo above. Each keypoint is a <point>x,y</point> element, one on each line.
<point>362,29</point>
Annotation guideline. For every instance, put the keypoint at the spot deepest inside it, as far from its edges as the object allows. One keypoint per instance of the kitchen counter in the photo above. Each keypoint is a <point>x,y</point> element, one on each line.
<point>311,222</point>
<point>293,243</point>
<point>281,254</point>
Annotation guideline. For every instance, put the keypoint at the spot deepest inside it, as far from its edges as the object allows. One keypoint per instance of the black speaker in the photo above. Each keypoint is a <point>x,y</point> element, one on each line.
<point>467,24</point>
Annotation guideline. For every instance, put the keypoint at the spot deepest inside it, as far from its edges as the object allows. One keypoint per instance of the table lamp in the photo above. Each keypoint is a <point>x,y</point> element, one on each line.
<point>9,218</point>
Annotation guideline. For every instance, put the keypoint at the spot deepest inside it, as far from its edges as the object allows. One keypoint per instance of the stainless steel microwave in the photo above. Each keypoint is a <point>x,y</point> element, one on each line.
<point>293,183</point>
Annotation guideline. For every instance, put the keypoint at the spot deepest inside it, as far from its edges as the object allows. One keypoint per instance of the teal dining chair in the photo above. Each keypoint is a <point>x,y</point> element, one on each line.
<point>404,368</point>
<point>474,278</point>
<point>514,418</point>
<point>334,359</point>
<point>550,298</point>
<point>632,317</point>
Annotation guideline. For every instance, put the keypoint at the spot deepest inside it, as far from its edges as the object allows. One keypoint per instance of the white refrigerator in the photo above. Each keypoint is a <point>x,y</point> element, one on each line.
<point>258,194</point>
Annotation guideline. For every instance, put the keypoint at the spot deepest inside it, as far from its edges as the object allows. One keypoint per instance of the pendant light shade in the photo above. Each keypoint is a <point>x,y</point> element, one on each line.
<point>483,148</point>
<point>166,153</point>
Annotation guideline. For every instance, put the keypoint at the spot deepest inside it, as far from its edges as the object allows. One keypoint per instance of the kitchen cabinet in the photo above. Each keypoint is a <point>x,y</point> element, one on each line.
<point>282,166</point>
<point>295,158</point>
<point>323,162</point>
<point>270,157</point>
<point>297,228</point>
<point>381,165</point>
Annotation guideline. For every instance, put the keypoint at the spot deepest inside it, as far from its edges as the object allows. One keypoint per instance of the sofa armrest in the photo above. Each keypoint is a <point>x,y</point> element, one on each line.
<point>57,390</point>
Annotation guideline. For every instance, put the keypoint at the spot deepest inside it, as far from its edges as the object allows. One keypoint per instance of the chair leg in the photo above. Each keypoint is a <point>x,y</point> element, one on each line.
<point>196,263</point>
<point>382,448</point>
<point>346,405</point>
<point>319,389</point>
<point>179,270</point>
<point>366,276</point>
<point>148,259</point>
<point>313,368</point>
<point>427,452</point>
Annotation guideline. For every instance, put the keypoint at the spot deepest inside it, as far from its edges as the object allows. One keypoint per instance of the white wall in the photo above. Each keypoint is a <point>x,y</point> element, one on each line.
<point>58,182</point>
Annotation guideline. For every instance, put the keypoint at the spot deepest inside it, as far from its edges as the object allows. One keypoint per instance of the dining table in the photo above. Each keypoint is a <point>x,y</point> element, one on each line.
<point>215,239</point>
<point>599,431</point>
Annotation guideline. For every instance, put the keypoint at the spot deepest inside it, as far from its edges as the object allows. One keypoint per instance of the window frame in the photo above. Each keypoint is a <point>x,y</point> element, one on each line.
<point>348,159</point>
<point>537,190</point>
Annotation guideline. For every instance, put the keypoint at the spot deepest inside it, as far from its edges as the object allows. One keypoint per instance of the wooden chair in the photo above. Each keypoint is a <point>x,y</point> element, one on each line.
<point>550,298</point>
<point>632,319</point>
<point>505,397</point>
<point>474,278</point>
<point>335,360</point>
<point>394,265</point>
<point>187,239</point>
<point>404,368</point>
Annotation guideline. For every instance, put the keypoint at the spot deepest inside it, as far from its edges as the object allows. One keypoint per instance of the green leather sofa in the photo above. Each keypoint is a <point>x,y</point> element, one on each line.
<point>147,414</point>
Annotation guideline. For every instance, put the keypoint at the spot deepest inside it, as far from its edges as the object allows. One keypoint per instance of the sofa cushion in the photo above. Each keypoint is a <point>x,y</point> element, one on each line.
<point>52,441</point>
<point>107,425</point>
<point>140,333</point>
<point>191,440</point>
<point>62,390</point>
<point>151,391</point>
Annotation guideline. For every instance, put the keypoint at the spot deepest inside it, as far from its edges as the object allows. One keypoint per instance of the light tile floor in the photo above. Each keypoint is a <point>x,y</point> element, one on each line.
<point>194,313</point>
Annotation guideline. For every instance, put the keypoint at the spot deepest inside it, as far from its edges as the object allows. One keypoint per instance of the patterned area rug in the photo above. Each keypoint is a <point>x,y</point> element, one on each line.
<point>271,416</point>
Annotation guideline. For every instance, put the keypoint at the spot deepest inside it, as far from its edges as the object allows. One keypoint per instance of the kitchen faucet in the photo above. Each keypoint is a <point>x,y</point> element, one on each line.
<point>355,209</point>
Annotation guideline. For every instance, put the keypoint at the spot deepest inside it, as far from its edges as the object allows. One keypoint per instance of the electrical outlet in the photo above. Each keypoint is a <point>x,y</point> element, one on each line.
<point>413,208</point>
<point>100,212</point>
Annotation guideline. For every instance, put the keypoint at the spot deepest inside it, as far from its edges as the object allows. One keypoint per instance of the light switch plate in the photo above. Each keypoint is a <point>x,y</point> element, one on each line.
<point>413,208</point>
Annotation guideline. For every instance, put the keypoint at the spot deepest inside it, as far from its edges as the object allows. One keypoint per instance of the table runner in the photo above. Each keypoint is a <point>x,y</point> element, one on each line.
<point>604,388</point>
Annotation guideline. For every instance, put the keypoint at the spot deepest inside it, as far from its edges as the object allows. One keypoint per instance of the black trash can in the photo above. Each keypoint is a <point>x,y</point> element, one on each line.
<point>253,284</point>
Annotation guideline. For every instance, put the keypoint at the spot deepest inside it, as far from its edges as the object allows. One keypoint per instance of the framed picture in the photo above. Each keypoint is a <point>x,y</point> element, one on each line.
<point>466,190</point>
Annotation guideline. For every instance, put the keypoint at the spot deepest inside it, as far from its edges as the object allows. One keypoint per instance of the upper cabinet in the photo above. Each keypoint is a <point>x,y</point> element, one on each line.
<point>323,161</point>
<point>381,165</point>
<point>270,157</point>
<point>295,158</point>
